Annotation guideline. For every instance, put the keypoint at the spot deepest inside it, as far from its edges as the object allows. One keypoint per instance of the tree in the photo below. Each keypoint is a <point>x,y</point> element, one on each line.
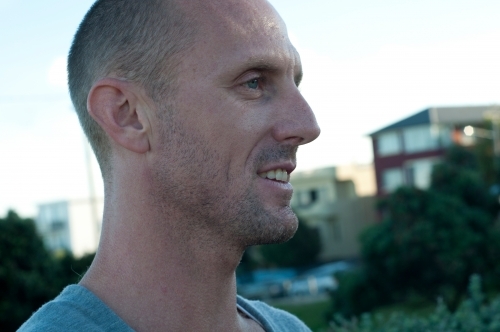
<point>301,250</point>
<point>459,175</point>
<point>430,241</point>
<point>70,270</point>
<point>25,271</point>
<point>29,275</point>
<point>430,244</point>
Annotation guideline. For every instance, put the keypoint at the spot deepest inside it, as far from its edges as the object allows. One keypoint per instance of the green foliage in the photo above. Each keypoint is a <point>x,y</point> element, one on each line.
<point>301,250</point>
<point>29,275</point>
<point>25,271</point>
<point>70,269</point>
<point>429,242</point>
<point>489,164</point>
<point>357,293</point>
<point>473,315</point>
<point>459,176</point>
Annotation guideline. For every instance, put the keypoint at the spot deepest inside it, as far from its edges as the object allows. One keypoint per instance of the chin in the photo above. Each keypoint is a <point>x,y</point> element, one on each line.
<point>273,229</point>
<point>287,232</point>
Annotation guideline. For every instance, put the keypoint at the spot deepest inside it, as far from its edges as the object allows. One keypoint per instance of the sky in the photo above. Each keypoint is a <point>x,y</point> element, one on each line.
<point>366,64</point>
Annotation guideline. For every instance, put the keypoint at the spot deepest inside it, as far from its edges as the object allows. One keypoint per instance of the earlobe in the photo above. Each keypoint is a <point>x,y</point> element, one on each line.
<point>115,106</point>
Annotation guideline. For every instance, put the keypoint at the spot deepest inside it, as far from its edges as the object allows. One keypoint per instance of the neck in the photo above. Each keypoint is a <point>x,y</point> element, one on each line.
<point>158,275</point>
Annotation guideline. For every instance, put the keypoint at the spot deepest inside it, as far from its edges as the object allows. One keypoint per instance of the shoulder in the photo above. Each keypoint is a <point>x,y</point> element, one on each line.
<point>271,318</point>
<point>75,309</point>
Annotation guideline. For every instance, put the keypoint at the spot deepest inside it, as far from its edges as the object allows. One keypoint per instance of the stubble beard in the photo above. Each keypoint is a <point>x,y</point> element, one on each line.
<point>255,225</point>
<point>206,202</point>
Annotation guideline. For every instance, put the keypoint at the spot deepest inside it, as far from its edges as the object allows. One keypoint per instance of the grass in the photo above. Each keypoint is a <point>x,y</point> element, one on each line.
<point>314,315</point>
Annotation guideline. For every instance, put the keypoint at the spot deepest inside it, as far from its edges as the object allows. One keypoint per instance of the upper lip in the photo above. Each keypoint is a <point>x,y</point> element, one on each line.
<point>288,166</point>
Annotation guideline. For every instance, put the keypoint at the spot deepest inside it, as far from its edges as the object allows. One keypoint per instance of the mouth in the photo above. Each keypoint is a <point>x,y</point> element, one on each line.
<point>278,175</point>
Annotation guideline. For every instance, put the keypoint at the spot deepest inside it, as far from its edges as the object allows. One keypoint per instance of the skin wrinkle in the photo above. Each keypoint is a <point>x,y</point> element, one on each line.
<point>244,215</point>
<point>197,192</point>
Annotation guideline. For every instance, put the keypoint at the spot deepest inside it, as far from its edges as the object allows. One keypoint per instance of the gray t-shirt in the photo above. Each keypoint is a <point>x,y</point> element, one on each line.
<point>78,309</point>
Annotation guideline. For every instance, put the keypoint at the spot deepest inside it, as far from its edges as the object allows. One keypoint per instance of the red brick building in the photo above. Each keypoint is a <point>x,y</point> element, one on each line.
<point>404,152</point>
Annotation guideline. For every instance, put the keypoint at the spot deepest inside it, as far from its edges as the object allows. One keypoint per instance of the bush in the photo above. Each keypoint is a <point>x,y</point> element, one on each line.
<point>473,315</point>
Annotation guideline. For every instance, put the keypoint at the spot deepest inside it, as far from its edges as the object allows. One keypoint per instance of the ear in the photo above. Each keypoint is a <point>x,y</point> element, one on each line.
<point>115,105</point>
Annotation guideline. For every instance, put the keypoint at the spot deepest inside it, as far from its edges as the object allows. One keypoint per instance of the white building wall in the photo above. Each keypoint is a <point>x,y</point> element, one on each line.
<point>71,225</point>
<point>85,226</point>
<point>53,225</point>
<point>336,211</point>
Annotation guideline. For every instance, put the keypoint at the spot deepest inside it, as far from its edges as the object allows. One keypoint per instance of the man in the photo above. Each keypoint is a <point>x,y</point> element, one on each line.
<point>193,111</point>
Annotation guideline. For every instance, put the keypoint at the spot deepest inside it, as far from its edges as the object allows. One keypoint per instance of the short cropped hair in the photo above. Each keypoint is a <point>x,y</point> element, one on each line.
<point>137,40</point>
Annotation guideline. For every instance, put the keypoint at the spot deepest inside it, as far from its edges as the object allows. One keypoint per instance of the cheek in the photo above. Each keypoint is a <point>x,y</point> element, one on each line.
<point>241,134</point>
<point>231,128</point>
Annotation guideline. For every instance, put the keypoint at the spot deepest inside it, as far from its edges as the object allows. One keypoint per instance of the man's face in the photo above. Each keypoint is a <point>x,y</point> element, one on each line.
<point>237,117</point>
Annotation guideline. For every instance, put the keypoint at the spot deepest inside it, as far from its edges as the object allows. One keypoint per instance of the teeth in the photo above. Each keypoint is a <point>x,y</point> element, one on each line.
<point>277,174</point>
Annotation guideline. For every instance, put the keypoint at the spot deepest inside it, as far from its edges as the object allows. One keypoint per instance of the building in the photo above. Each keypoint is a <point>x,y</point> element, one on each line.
<point>73,226</point>
<point>339,202</point>
<point>405,152</point>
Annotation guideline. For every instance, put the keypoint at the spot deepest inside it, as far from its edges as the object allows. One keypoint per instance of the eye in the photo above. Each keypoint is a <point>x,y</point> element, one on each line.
<point>253,83</point>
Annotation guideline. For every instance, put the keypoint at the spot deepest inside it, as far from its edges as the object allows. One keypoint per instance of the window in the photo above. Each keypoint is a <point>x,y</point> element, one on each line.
<point>388,143</point>
<point>392,178</point>
<point>57,226</point>
<point>420,138</point>
<point>445,136</point>
<point>307,197</point>
<point>314,195</point>
<point>419,173</point>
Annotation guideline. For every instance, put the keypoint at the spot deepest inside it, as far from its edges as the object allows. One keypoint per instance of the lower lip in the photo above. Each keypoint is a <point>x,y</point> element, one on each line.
<point>277,185</point>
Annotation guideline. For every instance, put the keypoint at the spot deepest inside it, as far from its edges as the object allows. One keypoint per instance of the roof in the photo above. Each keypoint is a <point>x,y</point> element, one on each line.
<point>461,115</point>
<point>446,115</point>
<point>420,118</point>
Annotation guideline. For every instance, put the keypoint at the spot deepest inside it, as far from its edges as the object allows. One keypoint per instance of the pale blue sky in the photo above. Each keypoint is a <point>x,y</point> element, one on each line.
<point>367,64</point>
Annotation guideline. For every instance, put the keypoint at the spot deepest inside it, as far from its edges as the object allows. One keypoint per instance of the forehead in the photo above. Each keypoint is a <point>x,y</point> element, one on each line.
<point>244,17</point>
<point>242,31</point>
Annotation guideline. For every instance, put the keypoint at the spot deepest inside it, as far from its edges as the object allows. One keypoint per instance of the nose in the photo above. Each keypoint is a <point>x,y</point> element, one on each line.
<point>296,124</point>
